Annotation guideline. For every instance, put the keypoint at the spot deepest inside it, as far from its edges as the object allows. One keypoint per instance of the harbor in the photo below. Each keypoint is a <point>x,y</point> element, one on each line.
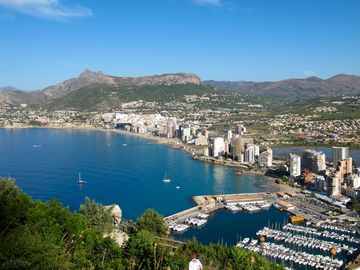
<point>304,246</point>
<point>303,240</point>
<point>298,204</point>
<point>208,204</point>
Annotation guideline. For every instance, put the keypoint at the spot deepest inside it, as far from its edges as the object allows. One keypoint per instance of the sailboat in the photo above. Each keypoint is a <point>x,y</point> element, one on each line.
<point>165,179</point>
<point>81,181</point>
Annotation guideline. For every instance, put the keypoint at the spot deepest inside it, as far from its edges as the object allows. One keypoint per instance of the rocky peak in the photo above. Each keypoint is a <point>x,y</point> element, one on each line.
<point>313,78</point>
<point>164,79</point>
<point>89,74</point>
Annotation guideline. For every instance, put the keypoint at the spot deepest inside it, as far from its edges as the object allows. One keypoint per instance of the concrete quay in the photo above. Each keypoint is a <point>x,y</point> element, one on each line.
<point>295,203</point>
<point>210,203</point>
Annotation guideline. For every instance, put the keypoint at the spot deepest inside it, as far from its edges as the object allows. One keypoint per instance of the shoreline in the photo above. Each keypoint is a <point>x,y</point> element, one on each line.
<point>268,183</point>
<point>161,140</point>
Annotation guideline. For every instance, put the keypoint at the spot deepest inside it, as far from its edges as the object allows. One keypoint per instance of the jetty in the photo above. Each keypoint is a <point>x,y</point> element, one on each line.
<point>207,204</point>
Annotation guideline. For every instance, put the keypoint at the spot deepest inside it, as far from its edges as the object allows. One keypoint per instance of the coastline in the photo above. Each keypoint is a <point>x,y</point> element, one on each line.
<point>172,142</point>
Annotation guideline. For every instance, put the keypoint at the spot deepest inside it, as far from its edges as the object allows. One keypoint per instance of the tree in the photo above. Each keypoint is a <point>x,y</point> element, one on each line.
<point>152,222</point>
<point>96,215</point>
<point>141,250</point>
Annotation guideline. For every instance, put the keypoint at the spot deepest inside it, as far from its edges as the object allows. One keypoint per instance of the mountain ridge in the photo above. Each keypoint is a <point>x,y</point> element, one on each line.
<point>337,85</point>
<point>86,78</point>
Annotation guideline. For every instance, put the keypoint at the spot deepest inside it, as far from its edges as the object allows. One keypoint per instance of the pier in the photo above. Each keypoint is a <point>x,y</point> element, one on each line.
<point>298,204</point>
<point>207,204</point>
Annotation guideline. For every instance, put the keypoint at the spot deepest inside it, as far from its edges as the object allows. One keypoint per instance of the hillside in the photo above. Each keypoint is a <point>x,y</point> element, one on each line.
<point>15,97</point>
<point>97,90</point>
<point>103,96</point>
<point>295,88</point>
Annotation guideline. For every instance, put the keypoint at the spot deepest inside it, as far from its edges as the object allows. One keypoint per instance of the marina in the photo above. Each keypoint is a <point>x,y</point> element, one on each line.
<point>304,246</point>
<point>207,204</point>
<point>300,243</point>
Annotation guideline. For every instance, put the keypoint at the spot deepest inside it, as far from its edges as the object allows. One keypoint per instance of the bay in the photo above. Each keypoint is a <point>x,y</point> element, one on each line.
<point>128,171</point>
<point>121,169</point>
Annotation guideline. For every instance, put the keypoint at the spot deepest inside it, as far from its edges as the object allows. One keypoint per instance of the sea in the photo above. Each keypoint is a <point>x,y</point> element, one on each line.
<point>128,171</point>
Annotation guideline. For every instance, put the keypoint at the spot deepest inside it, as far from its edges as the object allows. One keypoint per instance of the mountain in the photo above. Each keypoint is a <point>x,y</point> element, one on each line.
<point>99,90</point>
<point>104,96</point>
<point>295,88</point>
<point>11,95</point>
<point>87,78</point>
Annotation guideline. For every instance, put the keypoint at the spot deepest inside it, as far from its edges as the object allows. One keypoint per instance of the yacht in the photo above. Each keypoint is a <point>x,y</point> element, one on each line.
<point>165,179</point>
<point>81,181</point>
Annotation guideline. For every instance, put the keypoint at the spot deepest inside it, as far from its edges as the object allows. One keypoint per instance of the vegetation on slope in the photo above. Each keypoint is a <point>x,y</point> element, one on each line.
<point>46,235</point>
<point>103,96</point>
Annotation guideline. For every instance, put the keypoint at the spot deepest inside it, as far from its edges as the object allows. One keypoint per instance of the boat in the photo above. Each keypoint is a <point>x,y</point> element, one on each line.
<point>201,222</point>
<point>81,181</point>
<point>177,187</point>
<point>37,146</point>
<point>203,216</point>
<point>181,227</point>
<point>124,144</point>
<point>165,179</point>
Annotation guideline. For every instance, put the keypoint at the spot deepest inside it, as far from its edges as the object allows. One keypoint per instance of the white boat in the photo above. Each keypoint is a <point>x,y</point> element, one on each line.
<point>265,205</point>
<point>124,144</point>
<point>201,222</point>
<point>181,227</point>
<point>165,179</point>
<point>177,187</point>
<point>37,146</point>
<point>81,181</point>
<point>246,241</point>
<point>203,216</point>
<point>232,208</point>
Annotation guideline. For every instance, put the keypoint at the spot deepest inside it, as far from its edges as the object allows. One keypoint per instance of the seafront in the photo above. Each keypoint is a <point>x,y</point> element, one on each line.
<point>301,205</point>
<point>302,242</point>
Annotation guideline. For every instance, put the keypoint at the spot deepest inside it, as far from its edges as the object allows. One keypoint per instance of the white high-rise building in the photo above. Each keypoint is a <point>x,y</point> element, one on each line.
<point>353,181</point>
<point>229,135</point>
<point>256,150</point>
<point>265,158</point>
<point>339,153</point>
<point>250,154</point>
<point>334,188</point>
<point>313,160</point>
<point>185,134</point>
<point>218,146</point>
<point>295,165</point>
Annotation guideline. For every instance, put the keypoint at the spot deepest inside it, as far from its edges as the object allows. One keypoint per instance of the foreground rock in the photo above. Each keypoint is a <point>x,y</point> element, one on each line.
<point>118,235</point>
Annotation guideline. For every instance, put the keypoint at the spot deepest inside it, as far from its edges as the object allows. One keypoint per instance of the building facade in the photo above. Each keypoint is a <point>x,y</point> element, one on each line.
<point>339,153</point>
<point>295,165</point>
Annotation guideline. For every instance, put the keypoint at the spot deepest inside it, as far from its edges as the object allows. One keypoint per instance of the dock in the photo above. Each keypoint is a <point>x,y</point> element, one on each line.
<point>207,204</point>
<point>234,198</point>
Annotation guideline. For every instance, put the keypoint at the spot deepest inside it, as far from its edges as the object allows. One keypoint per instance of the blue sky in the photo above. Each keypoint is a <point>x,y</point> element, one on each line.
<point>47,41</point>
